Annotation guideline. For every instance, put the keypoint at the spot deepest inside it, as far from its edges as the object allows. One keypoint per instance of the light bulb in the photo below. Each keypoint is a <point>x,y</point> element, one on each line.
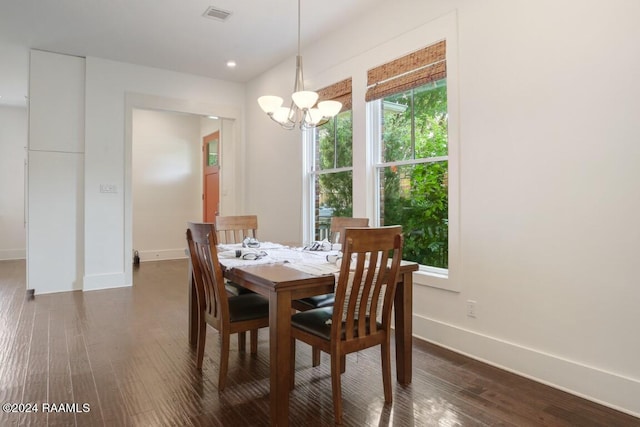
<point>269,103</point>
<point>314,115</point>
<point>282,114</point>
<point>329,108</point>
<point>304,99</point>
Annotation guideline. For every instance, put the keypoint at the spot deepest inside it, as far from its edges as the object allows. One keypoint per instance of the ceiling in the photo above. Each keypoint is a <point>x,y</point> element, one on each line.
<point>169,34</point>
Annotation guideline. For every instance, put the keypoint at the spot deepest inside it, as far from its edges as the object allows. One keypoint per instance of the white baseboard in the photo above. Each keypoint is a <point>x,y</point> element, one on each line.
<point>104,281</point>
<point>162,255</point>
<point>607,388</point>
<point>11,254</point>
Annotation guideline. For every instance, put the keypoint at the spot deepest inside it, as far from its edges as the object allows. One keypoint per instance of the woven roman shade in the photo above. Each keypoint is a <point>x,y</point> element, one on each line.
<point>340,91</point>
<point>410,71</point>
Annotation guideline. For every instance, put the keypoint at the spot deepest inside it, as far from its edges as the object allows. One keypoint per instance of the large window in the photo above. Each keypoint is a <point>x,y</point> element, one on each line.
<point>412,171</point>
<point>332,168</point>
<point>408,106</point>
<point>400,164</point>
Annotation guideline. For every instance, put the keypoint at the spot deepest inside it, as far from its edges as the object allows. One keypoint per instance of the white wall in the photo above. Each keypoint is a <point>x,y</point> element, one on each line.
<point>113,90</point>
<point>549,105</point>
<point>98,151</point>
<point>166,181</point>
<point>13,154</point>
<point>274,161</point>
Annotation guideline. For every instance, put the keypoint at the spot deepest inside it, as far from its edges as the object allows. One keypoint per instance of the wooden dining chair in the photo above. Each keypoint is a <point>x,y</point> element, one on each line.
<point>227,314</point>
<point>361,315</point>
<point>233,229</point>
<point>231,288</point>
<point>336,233</point>
<point>339,223</point>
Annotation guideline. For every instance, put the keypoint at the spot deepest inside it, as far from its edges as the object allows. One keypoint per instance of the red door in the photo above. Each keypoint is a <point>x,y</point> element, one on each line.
<point>211,176</point>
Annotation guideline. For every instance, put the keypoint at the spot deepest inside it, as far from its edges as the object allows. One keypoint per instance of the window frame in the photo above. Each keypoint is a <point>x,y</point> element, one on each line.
<point>446,279</point>
<point>364,176</point>
<point>426,275</point>
<point>315,172</point>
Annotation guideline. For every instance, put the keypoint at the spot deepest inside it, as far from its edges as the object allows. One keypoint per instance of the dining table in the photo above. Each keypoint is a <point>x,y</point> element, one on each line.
<point>282,274</point>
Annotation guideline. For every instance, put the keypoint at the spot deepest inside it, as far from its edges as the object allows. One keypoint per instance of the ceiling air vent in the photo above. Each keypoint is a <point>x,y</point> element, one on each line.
<point>216,13</point>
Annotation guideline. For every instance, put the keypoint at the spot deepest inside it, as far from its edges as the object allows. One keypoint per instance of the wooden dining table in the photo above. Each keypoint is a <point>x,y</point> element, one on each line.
<point>281,284</point>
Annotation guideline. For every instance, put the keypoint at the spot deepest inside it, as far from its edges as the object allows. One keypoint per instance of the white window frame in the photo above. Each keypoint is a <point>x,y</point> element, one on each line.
<point>311,173</point>
<point>308,186</point>
<point>434,277</point>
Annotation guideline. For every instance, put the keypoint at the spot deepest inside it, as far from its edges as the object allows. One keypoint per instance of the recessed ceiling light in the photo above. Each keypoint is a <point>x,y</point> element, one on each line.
<point>213,117</point>
<point>231,63</point>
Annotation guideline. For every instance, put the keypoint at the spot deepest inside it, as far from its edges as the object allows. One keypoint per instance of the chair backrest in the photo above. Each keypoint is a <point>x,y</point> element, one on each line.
<point>339,223</point>
<point>233,229</point>
<point>207,273</point>
<point>368,278</point>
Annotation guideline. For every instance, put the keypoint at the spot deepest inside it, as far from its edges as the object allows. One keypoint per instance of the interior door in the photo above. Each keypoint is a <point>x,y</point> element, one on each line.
<point>211,176</point>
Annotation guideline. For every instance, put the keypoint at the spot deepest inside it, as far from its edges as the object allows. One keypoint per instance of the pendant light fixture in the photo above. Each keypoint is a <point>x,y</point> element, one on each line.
<point>302,113</point>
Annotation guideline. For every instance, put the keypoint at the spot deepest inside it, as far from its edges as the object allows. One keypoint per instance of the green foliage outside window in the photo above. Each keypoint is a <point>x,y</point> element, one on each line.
<point>334,190</point>
<point>335,142</point>
<point>416,196</point>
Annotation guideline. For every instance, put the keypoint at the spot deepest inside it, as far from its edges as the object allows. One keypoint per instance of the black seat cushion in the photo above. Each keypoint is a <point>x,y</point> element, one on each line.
<point>318,301</point>
<point>316,322</point>
<point>234,289</point>
<point>248,307</point>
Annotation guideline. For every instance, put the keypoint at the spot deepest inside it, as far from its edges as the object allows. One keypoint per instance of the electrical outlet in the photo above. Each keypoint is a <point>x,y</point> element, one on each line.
<point>471,308</point>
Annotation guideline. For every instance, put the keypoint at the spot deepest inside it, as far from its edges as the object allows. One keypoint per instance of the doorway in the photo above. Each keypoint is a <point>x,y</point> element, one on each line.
<point>212,118</point>
<point>167,179</point>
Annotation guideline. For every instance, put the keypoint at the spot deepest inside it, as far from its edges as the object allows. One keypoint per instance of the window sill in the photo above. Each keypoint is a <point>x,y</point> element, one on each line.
<point>433,279</point>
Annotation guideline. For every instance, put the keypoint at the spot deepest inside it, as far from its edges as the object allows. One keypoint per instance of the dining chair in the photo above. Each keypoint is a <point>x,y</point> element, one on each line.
<point>361,315</point>
<point>227,314</point>
<point>339,223</point>
<point>336,234</point>
<point>231,288</point>
<point>234,228</point>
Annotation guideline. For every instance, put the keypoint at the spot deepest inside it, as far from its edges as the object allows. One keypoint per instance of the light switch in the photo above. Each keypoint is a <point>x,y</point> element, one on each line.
<point>108,188</point>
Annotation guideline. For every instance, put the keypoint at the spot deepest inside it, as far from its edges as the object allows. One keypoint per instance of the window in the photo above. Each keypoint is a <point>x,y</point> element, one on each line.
<point>408,110</point>
<point>332,166</point>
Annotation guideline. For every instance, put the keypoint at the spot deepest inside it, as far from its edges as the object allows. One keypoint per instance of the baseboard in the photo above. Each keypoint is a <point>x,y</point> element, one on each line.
<point>162,255</point>
<point>607,388</point>
<point>104,281</point>
<point>11,254</point>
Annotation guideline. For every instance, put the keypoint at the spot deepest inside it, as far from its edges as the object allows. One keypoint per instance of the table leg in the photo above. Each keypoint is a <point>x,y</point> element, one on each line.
<point>280,356</point>
<point>404,328</point>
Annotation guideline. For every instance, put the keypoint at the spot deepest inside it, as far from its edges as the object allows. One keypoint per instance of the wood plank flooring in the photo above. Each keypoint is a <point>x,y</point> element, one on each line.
<point>125,353</point>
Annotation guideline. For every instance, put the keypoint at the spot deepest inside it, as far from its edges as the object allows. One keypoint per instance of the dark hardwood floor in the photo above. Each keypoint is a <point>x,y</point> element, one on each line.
<point>124,352</point>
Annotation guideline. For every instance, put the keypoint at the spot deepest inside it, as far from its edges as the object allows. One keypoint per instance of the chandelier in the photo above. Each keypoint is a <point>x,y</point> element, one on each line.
<point>301,113</point>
